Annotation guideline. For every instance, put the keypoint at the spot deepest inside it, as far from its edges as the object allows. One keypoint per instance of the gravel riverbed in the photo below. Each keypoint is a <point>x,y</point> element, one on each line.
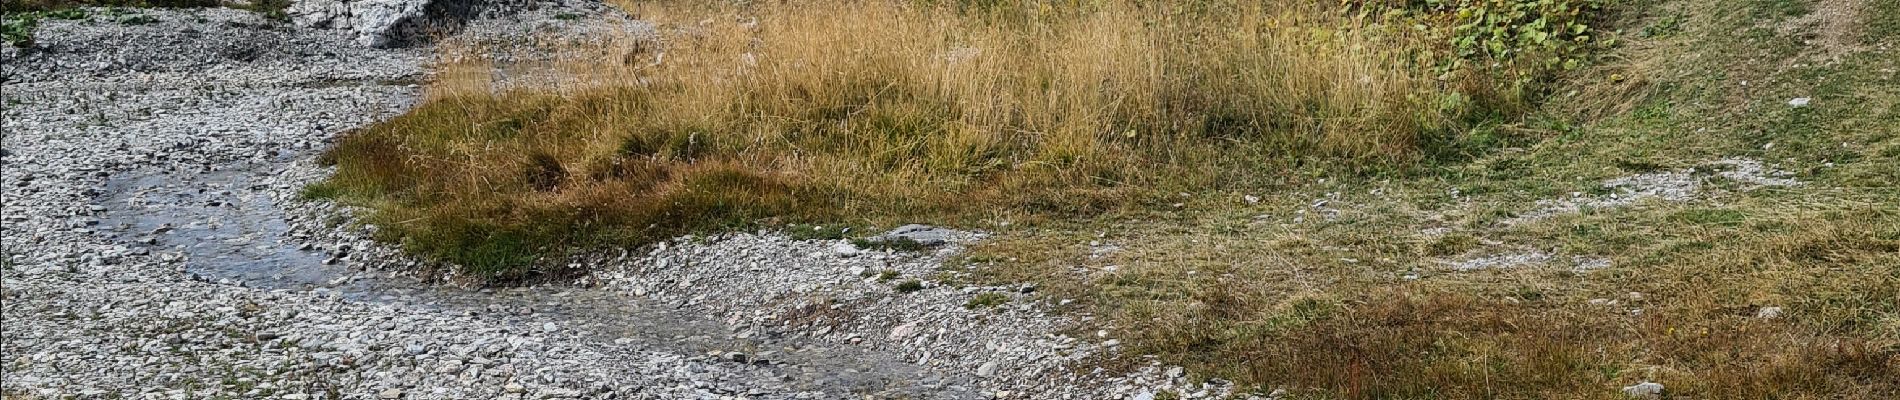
<point>156,247</point>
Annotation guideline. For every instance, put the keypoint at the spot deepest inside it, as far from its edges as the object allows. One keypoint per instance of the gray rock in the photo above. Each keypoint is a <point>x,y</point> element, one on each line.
<point>1644,390</point>
<point>921,234</point>
<point>373,23</point>
<point>845,250</point>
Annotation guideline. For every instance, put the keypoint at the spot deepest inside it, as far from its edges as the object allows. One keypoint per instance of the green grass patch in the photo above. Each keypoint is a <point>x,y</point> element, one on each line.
<point>21,17</point>
<point>275,10</point>
<point>1778,9</point>
<point>1452,244</point>
<point>17,25</point>
<point>28,6</point>
<point>319,191</point>
<point>1883,20</point>
<point>987,300</point>
<point>1715,217</point>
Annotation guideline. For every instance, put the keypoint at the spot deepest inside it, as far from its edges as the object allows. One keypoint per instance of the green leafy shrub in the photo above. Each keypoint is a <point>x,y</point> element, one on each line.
<point>986,300</point>
<point>16,28</point>
<point>18,31</point>
<point>1550,32</point>
<point>1500,51</point>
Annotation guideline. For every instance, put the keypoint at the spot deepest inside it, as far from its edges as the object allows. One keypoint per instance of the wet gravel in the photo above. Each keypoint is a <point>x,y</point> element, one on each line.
<point>156,246</point>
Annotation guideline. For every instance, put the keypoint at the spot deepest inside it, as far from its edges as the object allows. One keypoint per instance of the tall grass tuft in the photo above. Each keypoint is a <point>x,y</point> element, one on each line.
<point>875,110</point>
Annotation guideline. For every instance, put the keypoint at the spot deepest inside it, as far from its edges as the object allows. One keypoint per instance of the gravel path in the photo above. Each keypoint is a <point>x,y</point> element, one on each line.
<point>156,248</point>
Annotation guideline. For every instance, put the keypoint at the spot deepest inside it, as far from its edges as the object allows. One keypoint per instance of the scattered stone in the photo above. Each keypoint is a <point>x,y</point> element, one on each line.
<point>921,234</point>
<point>1645,390</point>
<point>986,370</point>
<point>1503,261</point>
<point>1672,186</point>
<point>1587,264</point>
<point>845,249</point>
<point>375,23</point>
<point>902,332</point>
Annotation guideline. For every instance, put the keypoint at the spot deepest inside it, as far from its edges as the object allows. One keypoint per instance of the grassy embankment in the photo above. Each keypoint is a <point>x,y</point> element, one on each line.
<point>1145,128</point>
<point>873,112</point>
<point>1365,304</point>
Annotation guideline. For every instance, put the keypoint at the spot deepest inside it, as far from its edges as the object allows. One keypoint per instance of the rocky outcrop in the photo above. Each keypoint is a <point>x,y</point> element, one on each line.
<point>374,23</point>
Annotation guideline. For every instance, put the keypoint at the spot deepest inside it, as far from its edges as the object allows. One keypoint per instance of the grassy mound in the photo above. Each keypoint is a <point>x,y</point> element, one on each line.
<point>879,110</point>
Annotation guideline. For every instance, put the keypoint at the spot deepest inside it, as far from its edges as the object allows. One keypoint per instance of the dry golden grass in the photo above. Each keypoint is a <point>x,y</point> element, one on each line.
<point>877,110</point>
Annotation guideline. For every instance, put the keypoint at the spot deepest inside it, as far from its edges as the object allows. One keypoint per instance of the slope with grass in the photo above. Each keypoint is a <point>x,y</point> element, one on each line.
<point>1485,198</point>
<point>1678,259</point>
<point>876,112</point>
